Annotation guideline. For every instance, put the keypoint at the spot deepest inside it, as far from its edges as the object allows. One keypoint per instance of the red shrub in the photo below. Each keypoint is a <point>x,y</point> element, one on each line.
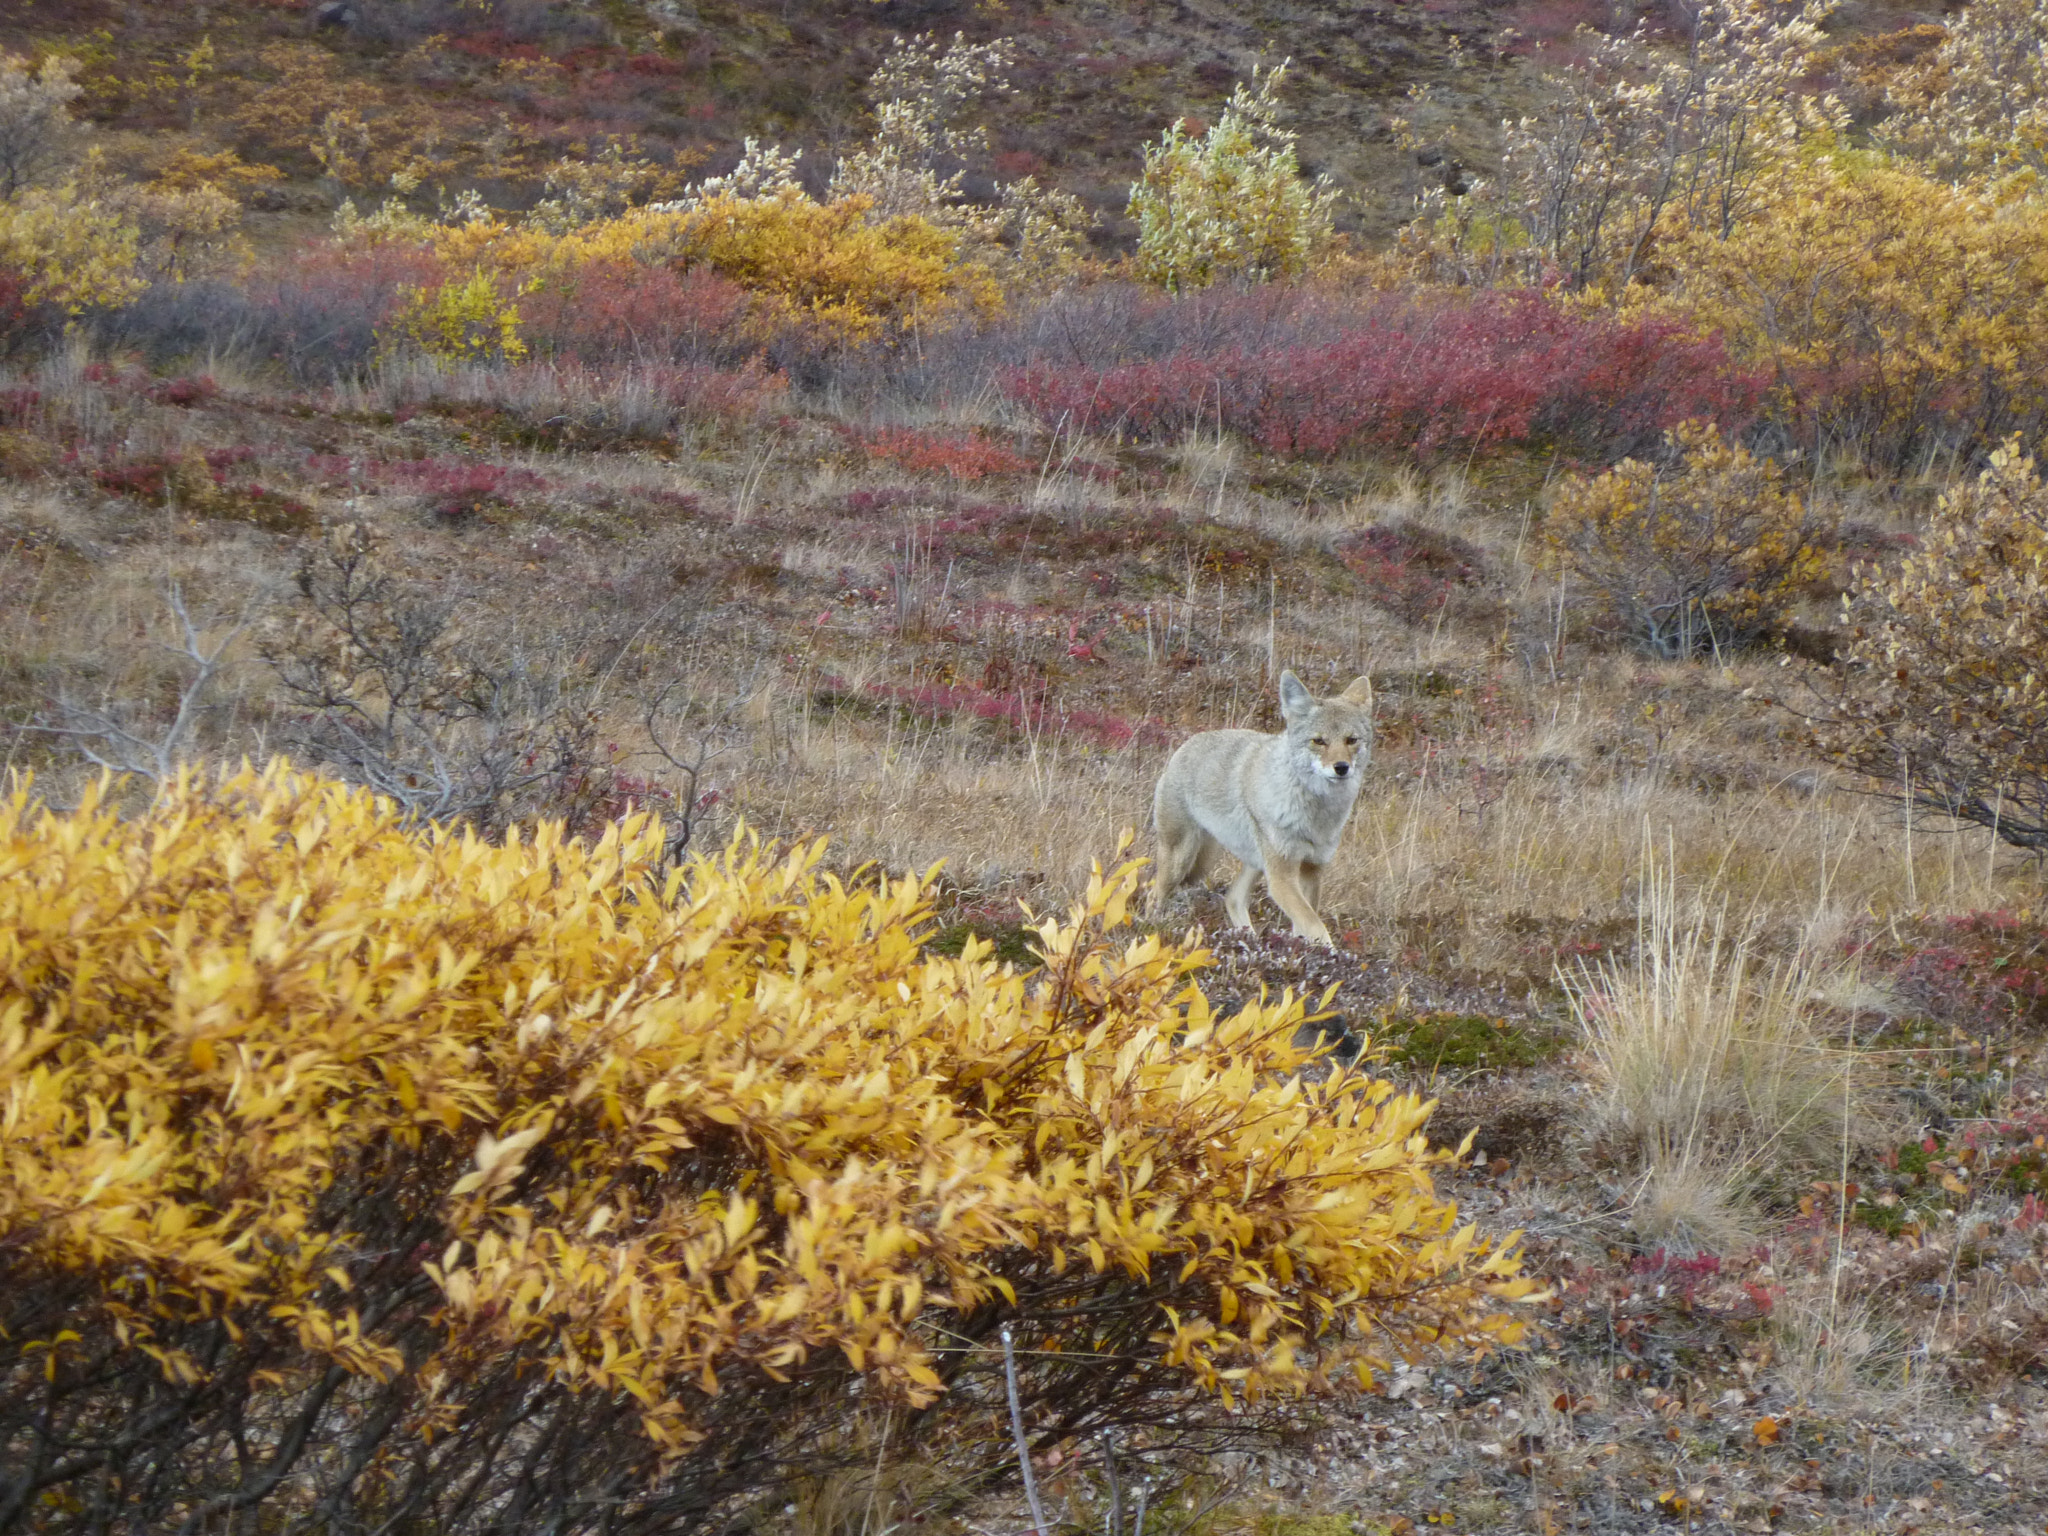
<point>494,44</point>
<point>130,377</point>
<point>454,488</point>
<point>731,395</point>
<point>145,480</point>
<point>1981,971</point>
<point>333,470</point>
<point>1416,373</point>
<point>964,456</point>
<point>20,405</point>
<point>615,312</point>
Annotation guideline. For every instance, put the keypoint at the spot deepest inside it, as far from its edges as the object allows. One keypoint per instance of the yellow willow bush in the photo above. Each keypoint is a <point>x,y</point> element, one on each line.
<point>1898,314</point>
<point>1708,553</point>
<point>69,249</point>
<point>354,1169</point>
<point>1977,108</point>
<point>463,320</point>
<point>828,264</point>
<point>832,263</point>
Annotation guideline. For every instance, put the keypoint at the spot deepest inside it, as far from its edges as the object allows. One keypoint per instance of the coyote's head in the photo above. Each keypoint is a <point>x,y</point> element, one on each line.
<point>1333,736</point>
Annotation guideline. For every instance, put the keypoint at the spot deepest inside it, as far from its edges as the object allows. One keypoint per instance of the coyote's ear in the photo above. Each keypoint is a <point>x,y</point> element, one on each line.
<point>1360,692</point>
<point>1295,700</point>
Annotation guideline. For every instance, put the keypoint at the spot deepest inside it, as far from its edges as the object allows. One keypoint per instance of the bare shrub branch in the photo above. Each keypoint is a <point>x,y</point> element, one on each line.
<point>120,736</point>
<point>396,698</point>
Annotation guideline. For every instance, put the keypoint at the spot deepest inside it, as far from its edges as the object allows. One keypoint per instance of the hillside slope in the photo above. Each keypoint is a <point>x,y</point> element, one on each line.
<point>519,83</point>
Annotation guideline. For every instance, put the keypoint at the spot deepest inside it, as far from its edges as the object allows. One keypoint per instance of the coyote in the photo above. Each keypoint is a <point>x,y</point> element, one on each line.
<point>1277,803</point>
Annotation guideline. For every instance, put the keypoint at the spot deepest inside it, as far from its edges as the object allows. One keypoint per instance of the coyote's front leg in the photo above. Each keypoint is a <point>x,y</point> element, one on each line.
<point>1284,878</point>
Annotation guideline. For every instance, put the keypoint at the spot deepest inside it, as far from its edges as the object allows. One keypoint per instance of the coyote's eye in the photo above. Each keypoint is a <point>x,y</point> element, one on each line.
<point>1350,741</point>
<point>1318,741</point>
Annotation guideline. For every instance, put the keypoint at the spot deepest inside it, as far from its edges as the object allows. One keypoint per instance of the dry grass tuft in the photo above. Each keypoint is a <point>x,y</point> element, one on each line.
<point>1691,1200</point>
<point>1711,1069</point>
<point>1836,1353</point>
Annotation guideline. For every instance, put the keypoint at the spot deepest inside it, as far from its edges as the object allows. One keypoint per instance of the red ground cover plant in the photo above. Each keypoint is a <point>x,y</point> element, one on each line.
<point>206,484</point>
<point>962,455</point>
<point>1983,970</point>
<point>1421,373</point>
<point>730,395</point>
<point>1027,708</point>
<point>454,488</point>
<point>20,405</point>
<point>1412,572</point>
<point>186,392</point>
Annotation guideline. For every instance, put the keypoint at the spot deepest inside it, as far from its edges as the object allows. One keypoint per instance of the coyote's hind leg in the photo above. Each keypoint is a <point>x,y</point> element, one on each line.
<point>1185,854</point>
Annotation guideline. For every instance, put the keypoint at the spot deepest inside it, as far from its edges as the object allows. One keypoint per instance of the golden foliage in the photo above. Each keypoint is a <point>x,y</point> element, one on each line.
<point>464,320</point>
<point>832,263</point>
<point>191,170</point>
<point>188,218</point>
<point>827,263</point>
<point>1884,302</point>
<point>1709,553</point>
<point>1940,689</point>
<point>669,1135</point>
<point>586,188</point>
<point>73,249</point>
<point>297,103</point>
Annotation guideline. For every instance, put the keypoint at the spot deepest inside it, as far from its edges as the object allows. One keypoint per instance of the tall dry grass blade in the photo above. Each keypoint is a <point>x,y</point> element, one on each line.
<point>1712,1069</point>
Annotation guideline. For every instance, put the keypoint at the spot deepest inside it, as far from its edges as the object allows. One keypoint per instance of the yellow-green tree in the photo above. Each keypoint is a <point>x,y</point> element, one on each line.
<point>71,250</point>
<point>1232,203</point>
<point>462,320</point>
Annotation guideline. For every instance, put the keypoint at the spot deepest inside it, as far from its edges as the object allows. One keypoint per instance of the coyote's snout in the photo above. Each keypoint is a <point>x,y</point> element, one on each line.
<point>1277,804</point>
